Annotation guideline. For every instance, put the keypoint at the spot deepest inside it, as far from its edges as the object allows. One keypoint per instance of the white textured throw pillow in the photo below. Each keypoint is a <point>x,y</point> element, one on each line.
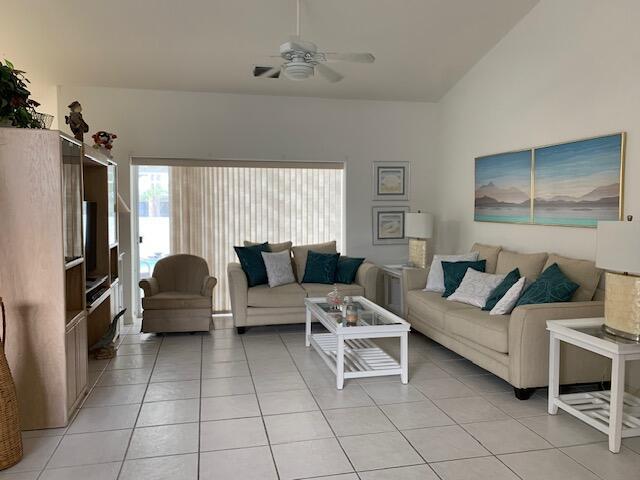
<point>435,280</point>
<point>279,270</point>
<point>509,300</point>
<point>476,287</point>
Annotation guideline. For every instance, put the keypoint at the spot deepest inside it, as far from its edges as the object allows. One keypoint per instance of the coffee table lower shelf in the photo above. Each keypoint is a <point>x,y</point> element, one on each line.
<point>362,357</point>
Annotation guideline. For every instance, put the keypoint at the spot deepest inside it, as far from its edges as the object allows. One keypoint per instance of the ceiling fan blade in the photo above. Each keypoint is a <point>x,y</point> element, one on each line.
<point>350,57</point>
<point>269,73</point>
<point>296,43</point>
<point>328,73</point>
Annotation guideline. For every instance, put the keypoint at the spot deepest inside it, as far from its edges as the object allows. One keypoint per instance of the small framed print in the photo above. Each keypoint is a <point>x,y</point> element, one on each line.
<point>389,226</point>
<point>391,180</point>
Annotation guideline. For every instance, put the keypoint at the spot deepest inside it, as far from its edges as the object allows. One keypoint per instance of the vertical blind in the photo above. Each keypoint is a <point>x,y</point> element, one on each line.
<point>216,208</point>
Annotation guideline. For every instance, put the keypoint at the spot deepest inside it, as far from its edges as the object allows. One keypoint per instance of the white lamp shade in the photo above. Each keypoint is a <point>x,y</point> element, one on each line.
<point>618,246</point>
<point>419,225</point>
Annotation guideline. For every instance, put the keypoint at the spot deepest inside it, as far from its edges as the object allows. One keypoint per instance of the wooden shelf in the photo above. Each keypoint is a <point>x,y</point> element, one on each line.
<point>96,303</point>
<point>72,316</point>
<point>96,283</point>
<point>73,263</point>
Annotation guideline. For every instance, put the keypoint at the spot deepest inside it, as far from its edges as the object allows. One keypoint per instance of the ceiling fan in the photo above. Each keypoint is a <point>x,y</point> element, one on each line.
<point>302,59</point>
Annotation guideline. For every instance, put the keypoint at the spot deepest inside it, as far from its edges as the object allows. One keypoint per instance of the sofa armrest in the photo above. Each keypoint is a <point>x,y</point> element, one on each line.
<point>208,285</point>
<point>239,293</point>
<point>529,339</point>
<point>149,286</point>
<point>367,277</point>
<point>412,279</point>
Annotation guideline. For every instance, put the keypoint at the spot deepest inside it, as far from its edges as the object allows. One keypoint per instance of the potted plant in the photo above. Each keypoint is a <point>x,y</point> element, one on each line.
<point>16,108</point>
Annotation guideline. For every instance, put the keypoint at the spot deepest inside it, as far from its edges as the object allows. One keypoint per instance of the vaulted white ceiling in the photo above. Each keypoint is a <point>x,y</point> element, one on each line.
<point>422,47</point>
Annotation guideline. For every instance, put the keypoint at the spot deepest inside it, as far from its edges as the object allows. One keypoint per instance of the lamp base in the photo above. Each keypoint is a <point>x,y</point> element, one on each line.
<point>418,252</point>
<point>622,306</point>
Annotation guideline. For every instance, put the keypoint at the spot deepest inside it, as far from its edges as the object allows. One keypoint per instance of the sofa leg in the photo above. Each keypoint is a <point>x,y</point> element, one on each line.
<point>523,393</point>
<point>241,330</point>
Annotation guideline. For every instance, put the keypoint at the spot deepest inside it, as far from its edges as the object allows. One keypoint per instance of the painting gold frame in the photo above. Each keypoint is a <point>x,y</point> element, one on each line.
<point>623,143</point>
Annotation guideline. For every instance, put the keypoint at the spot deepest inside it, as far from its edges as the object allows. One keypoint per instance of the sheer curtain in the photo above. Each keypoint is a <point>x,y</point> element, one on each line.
<point>215,208</point>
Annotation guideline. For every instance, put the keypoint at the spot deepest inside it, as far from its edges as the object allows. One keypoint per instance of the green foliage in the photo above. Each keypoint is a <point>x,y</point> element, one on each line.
<point>15,104</point>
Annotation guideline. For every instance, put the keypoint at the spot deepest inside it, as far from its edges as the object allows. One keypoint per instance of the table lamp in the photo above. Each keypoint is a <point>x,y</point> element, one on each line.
<point>618,250</point>
<point>419,229</point>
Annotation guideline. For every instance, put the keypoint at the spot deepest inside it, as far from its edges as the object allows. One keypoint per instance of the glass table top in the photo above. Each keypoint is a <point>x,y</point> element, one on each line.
<point>600,332</point>
<point>366,316</point>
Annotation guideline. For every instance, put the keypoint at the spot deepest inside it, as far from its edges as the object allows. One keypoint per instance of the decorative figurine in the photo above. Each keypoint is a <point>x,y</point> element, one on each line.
<point>77,125</point>
<point>103,139</point>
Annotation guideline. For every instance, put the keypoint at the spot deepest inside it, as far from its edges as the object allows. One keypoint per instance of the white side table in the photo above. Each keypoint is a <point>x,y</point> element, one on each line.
<point>613,412</point>
<point>393,299</point>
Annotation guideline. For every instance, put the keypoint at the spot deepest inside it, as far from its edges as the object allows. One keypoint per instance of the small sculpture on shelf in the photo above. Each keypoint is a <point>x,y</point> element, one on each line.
<point>104,140</point>
<point>75,121</point>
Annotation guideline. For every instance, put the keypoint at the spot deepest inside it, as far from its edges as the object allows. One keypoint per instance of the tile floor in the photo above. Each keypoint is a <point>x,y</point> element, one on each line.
<point>262,406</point>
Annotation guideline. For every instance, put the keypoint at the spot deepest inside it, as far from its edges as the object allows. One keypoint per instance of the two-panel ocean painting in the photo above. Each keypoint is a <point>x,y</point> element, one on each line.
<point>572,184</point>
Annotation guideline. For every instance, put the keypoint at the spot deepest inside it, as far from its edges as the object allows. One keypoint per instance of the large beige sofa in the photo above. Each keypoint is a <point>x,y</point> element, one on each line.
<point>514,347</point>
<point>262,305</point>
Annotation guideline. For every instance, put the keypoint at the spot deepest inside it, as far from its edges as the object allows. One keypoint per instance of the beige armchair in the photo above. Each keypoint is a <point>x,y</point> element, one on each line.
<point>178,297</point>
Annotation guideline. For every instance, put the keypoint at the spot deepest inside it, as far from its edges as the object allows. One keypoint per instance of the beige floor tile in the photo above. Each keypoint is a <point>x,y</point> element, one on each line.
<point>610,466</point>
<point>291,401</point>
<point>506,436</point>
<point>446,387</point>
<point>310,458</point>
<point>563,430</point>
<point>379,450</point>
<point>470,409</point>
<point>220,387</point>
<point>483,468</point>
<point>178,467</point>
<point>168,412</point>
<point>91,448</point>
<point>103,471</point>
<point>438,444</point>
<point>164,440</point>
<point>352,395</point>
<point>244,463</point>
<point>415,472</point>
<point>387,393</point>
<point>158,392</point>
<point>37,452</point>
<point>115,395</point>
<point>295,427</point>
<point>98,419</point>
<point>233,406</point>
<point>546,465</point>
<point>416,415</point>
<point>234,433</point>
<point>358,421</point>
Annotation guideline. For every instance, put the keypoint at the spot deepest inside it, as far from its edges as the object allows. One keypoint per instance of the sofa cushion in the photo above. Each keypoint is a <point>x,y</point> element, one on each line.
<point>480,327</point>
<point>300,253</point>
<point>253,264</point>
<point>273,247</point>
<point>454,272</point>
<point>500,291</point>
<point>321,289</point>
<point>347,269</point>
<point>435,280</point>
<point>508,301</point>
<point>279,269</point>
<point>582,272</point>
<point>551,287</point>
<point>488,253</point>
<point>431,307</point>
<point>175,300</point>
<point>529,264</point>
<point>320,267</point>
<point>476,287</point>
<point>290,295</point>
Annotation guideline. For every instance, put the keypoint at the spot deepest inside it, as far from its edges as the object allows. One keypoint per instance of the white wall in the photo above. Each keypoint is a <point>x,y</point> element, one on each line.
<point>209,125</point>
<point>570,69</point>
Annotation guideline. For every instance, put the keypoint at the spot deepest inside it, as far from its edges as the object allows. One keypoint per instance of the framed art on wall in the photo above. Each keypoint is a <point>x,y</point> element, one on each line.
<point>572,184</point>
<point>503,188</point>
<point>389,225</point>
<point>391,181</point>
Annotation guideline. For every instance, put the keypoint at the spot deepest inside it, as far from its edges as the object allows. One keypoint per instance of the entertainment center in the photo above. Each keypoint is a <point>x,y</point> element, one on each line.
<point>59,270</point>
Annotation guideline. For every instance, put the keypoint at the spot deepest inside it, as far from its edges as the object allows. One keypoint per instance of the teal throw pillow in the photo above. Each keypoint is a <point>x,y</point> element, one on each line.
<point>509,281</point>
<point>454,273</point>
<point>321,267</point>
<point>347,269</point>
<point>253,264</point>
<point>550,287</point>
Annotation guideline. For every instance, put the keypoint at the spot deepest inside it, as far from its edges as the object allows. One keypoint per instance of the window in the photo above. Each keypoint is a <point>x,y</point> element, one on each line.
<point>211,209</point>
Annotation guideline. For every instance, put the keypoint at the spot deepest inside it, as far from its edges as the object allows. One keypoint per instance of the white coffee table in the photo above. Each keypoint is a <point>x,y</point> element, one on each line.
<point>348,350</point>
<point>613,412</point>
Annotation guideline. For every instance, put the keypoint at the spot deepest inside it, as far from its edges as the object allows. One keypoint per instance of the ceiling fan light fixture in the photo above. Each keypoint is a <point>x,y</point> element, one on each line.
<point>298,70</point>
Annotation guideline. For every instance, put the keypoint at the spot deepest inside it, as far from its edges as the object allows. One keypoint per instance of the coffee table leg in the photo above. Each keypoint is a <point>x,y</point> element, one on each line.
<point>404,358</point>
<point>307,338</point>
<point>616,405</point>
<point>340,363</point>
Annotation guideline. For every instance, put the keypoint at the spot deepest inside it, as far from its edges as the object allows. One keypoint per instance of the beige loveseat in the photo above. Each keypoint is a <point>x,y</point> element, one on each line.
<point>514,347</point>
<point>262,305</point>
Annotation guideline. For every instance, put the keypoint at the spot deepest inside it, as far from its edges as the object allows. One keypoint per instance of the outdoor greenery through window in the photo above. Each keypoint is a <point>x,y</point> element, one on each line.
<point>206,211</point>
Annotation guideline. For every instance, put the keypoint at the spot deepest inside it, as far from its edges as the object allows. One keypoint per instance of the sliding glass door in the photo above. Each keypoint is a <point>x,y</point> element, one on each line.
<point>207,210</point>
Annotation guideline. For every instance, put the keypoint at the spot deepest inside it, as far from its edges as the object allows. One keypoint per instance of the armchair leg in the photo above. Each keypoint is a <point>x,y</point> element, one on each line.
<point>523,393</point>
<point>241,330</point>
